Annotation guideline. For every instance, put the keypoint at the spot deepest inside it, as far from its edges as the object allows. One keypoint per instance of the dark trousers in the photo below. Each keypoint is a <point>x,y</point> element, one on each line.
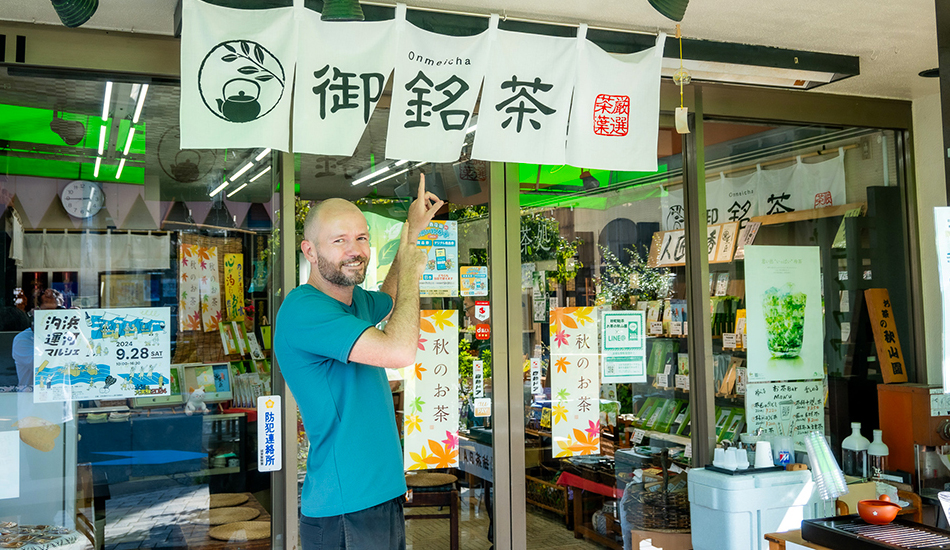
<point>381,527</point>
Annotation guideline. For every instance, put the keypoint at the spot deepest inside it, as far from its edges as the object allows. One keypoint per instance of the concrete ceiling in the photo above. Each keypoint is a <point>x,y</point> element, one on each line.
<point>894,40</point>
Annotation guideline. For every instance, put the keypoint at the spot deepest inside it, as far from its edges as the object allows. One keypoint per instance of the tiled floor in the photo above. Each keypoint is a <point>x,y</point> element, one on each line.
<point>164,518</point>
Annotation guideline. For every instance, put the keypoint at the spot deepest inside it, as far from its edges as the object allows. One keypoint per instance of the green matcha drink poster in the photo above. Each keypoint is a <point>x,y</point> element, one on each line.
<point>783,303</point>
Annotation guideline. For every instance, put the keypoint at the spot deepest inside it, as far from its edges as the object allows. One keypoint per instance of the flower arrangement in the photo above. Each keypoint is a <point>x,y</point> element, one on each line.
<point>622,284</point>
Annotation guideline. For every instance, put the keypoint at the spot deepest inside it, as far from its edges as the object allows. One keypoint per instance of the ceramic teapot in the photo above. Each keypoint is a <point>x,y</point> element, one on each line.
<point>241,107</point>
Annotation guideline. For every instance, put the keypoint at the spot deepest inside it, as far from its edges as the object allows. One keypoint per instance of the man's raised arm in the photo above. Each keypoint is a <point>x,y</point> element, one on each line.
<point>421,212</point>
<point>395,346</point>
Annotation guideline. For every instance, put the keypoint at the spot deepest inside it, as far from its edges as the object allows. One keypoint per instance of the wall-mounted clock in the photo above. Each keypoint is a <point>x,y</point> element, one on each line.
<point>82,199</point>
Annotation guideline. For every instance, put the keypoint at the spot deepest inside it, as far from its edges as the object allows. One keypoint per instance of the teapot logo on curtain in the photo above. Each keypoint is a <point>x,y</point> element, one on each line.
<point>236,67</point>
<point>241,81</point>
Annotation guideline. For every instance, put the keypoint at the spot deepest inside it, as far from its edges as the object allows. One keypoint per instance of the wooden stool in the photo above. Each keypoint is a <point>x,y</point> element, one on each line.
<point>431,489</point>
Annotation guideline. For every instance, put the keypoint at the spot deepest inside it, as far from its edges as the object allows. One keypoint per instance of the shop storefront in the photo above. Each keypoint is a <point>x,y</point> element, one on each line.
<point>587,335</point>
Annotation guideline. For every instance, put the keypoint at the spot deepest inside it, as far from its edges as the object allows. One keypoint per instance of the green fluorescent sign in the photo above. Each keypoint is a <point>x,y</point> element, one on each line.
<point>27,145</point>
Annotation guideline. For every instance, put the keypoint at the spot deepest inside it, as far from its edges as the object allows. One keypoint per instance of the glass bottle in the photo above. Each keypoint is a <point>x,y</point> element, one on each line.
<point>854,453</point>
<point>877,455</point>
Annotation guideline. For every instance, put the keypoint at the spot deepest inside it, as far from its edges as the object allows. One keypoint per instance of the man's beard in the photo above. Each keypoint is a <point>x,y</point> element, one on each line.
<point>335,275</point>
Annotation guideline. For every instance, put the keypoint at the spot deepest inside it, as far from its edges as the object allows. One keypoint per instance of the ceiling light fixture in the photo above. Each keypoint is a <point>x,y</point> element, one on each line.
<point>128,142</point>
<point>74,13</point>
<point>371,175</point>
<point>671,9</point>
<point>747,74</point>
<point>95,171</point>
<point>390,176</point>
<point>219,188</point>
<point>263,154</point>
<point>119,171</point>
<point>139,104</point>
<point>102,139</point>
<point>243,169</point>
<point>259,174</point>
<point>238,189</point>
<point>106,101</point>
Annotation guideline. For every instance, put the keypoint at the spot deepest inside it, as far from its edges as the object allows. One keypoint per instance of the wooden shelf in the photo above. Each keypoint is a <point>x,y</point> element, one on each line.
<point>802,215</point>
<point>672,438</point>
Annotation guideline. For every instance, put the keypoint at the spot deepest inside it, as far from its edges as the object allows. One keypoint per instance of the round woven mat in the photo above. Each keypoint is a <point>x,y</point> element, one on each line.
<point>430,480</point>
<point>220,516</point>
<point>241,531</point>
<point>223,500</point>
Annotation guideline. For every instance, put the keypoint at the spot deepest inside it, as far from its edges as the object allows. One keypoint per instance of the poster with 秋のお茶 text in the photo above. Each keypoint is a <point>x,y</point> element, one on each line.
<point>575,381</point>
<point>431,409</point>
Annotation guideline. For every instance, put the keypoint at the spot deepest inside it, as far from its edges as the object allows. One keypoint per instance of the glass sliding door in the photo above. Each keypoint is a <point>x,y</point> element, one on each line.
<point>443,402</point>
<point>137,289</point>
<point>816,300</point>
<point>605,363</point>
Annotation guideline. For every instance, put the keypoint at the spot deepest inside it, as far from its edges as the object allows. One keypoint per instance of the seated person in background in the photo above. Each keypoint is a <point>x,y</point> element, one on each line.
<point>23,343</point>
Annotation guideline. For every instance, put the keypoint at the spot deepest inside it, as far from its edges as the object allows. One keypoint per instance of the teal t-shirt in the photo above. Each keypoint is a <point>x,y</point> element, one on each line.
<point>355,459</point>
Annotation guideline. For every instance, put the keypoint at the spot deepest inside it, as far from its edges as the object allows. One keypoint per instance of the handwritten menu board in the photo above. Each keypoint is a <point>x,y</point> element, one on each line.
<point>786,408</point>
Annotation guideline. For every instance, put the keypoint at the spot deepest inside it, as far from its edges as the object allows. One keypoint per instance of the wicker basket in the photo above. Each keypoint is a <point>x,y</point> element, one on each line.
<point>658,510</point>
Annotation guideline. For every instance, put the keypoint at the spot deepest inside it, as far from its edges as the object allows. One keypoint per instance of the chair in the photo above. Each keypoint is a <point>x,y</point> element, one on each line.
<point>435,489</point>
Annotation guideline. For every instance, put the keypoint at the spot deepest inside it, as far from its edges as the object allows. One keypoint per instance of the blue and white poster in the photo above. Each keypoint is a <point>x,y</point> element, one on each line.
<point>81,354</point>
<point>441,276</point>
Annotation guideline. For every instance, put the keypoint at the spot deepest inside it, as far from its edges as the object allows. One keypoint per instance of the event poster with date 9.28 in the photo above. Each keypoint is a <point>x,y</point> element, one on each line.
<point>114,353</point>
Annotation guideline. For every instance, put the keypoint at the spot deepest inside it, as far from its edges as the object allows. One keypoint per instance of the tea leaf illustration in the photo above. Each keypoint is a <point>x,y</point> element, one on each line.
<point>229,58</point>
<point>245,47</point>
<point>230,48</point>
<point>247,69</point>
<point>263,77</point>
<point>259,53</point>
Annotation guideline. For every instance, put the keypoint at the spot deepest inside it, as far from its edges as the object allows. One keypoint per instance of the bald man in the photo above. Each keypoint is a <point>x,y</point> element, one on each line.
<point>332,357</point>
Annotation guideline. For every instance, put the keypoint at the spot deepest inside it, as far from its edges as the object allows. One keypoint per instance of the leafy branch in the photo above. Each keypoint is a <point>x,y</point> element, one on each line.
<point>257,60</point>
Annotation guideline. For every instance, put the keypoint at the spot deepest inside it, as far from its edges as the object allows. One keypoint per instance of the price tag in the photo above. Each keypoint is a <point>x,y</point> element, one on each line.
<point>662,380</point>
<point>676,328</point>
<point>656,327</point>
<point>729,340</point>
<point>684,328</point>
<point>745,341</point>
<point>689,451</point>
<point>638,436</point>
<point>682,381</point>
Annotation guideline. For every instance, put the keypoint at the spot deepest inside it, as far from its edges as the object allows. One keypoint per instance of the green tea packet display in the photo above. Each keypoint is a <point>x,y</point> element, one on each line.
<point>644,413</point>
<point>660,349</point>
<point>655,413</point>
<point>723,414</point>
<point>684,428</point>
<point>734,426</point>
<point>669,414</point>
<point>681,421</point>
